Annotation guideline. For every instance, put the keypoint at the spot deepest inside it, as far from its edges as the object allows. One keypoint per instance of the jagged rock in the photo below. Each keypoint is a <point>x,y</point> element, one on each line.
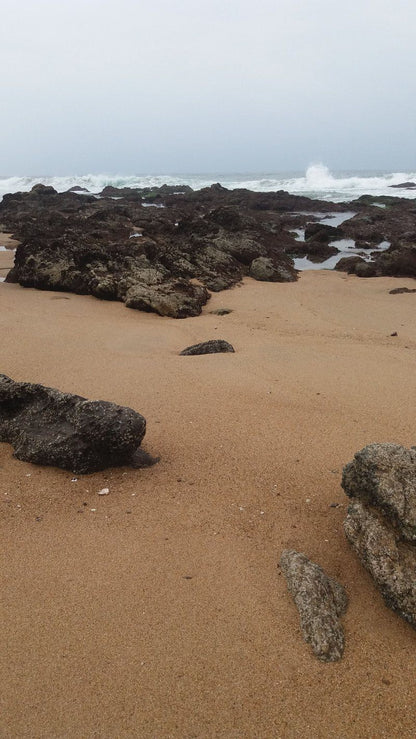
<point>381,521</point>
<point>320,600</point>
<point>48,427</point>
<point>214,346</point>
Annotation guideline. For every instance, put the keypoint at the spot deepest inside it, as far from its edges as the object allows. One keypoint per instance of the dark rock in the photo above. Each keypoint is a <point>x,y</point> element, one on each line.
<point>267,270</point>
<point>399,290</point>
<point>348,264</point>
<point>365,269</point>
<point>320,600</point>
<point>48,427</point>
<point>381,521</point>
<point>323,233</point>
<point>214,346</point>
<point>405,185</point>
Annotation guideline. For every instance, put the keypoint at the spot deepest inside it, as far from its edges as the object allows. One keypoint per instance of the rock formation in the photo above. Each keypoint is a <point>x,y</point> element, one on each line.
<point>381,521</point>
<point>320,600</point>
<point>48,427</point>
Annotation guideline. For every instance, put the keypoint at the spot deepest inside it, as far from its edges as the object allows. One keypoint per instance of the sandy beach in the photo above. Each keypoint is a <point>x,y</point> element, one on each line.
<point>159,610</point>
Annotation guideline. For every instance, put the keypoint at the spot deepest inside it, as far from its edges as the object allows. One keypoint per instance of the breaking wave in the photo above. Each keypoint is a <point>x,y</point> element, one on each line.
<point>316,182</point>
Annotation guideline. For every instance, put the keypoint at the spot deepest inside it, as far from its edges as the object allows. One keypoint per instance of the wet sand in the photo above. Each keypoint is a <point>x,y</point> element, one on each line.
<point>159,610</point>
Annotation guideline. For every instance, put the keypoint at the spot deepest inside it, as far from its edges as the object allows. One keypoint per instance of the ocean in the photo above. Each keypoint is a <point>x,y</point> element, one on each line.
<point>317,182</point>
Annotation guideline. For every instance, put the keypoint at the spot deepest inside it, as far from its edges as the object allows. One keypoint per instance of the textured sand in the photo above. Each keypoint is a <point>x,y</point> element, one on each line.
<point>159,610</point>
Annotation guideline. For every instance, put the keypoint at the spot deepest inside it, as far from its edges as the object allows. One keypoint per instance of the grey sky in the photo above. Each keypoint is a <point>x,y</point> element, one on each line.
<point>145,86</point>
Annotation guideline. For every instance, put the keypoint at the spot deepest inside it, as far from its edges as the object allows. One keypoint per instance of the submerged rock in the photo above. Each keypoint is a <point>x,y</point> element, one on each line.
<point>48,427</point>
<point>214,346</point>
<point>320,600</point>
<point>381,521</point>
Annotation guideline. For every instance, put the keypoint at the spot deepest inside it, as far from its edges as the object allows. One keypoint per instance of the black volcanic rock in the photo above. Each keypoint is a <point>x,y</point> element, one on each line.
<point>48,427</point>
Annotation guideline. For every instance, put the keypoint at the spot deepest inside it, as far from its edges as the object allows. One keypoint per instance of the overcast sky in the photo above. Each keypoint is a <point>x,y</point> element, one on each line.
<point>187,86</point>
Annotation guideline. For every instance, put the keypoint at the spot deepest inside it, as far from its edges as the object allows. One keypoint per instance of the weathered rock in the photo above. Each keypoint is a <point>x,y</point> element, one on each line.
<point>48,427</point>
<point>265,269</point>
<point>177,299</point>
<point>214,346</point>
<point>381,521</point>
<point>320,600</point>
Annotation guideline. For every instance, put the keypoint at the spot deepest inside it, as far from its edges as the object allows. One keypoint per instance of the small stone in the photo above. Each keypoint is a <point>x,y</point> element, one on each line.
<point>104,491</point>
<point>394,333</point>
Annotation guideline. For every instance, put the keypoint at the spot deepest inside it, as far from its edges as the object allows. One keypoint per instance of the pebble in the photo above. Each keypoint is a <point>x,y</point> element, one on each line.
<point>104,491</point>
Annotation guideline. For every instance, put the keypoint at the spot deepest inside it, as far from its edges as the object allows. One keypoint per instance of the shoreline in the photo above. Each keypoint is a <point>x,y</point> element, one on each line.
<point>162,612</point>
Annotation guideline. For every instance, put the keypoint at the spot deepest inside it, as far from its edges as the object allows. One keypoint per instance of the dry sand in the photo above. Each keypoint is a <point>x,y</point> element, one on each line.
<point>158,610</point>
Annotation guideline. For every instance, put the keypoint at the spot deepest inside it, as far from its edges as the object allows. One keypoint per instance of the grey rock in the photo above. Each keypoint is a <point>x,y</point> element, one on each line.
<point>214,346</point>
<point>48,427</point>
<point>384,476</point>
<point>381,521</point>
<point>320,600</point>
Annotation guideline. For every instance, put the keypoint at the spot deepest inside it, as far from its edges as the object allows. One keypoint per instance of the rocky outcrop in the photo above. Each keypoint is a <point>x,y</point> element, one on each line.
<point>320,600</point>
<point>381,521</point>
<point>147,247</point>
<point>48,427</point>
<point>214,346</point>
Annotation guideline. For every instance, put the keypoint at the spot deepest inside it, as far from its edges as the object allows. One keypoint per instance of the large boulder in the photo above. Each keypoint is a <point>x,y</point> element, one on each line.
<point>320,600</point>
<point>381,520</point>
<point>48,427</point>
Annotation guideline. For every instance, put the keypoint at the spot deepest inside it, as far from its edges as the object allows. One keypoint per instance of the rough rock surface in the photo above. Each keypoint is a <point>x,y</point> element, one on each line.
<point>320,600</point>
<point>214,346</point>
<point>148,247</point>
<point>381,521</point>
<point>48,427</point>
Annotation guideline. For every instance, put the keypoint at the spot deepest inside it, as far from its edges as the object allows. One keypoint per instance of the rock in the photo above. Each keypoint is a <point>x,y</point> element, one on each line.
<point>265,269</point>
<point>320,600</point>
<point>48,427</point>
<point>348,264</point>
<point>177,299</point>
<point>214,346</point>
<point>221,311</point>
<point>365,269</point>
<point>399,290</point>
<point>323,233</point>
<point>381,521</point>
<point>405,185</point>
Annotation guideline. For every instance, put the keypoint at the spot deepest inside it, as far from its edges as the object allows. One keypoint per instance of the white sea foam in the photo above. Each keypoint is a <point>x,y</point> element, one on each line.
<point>316,182</point>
